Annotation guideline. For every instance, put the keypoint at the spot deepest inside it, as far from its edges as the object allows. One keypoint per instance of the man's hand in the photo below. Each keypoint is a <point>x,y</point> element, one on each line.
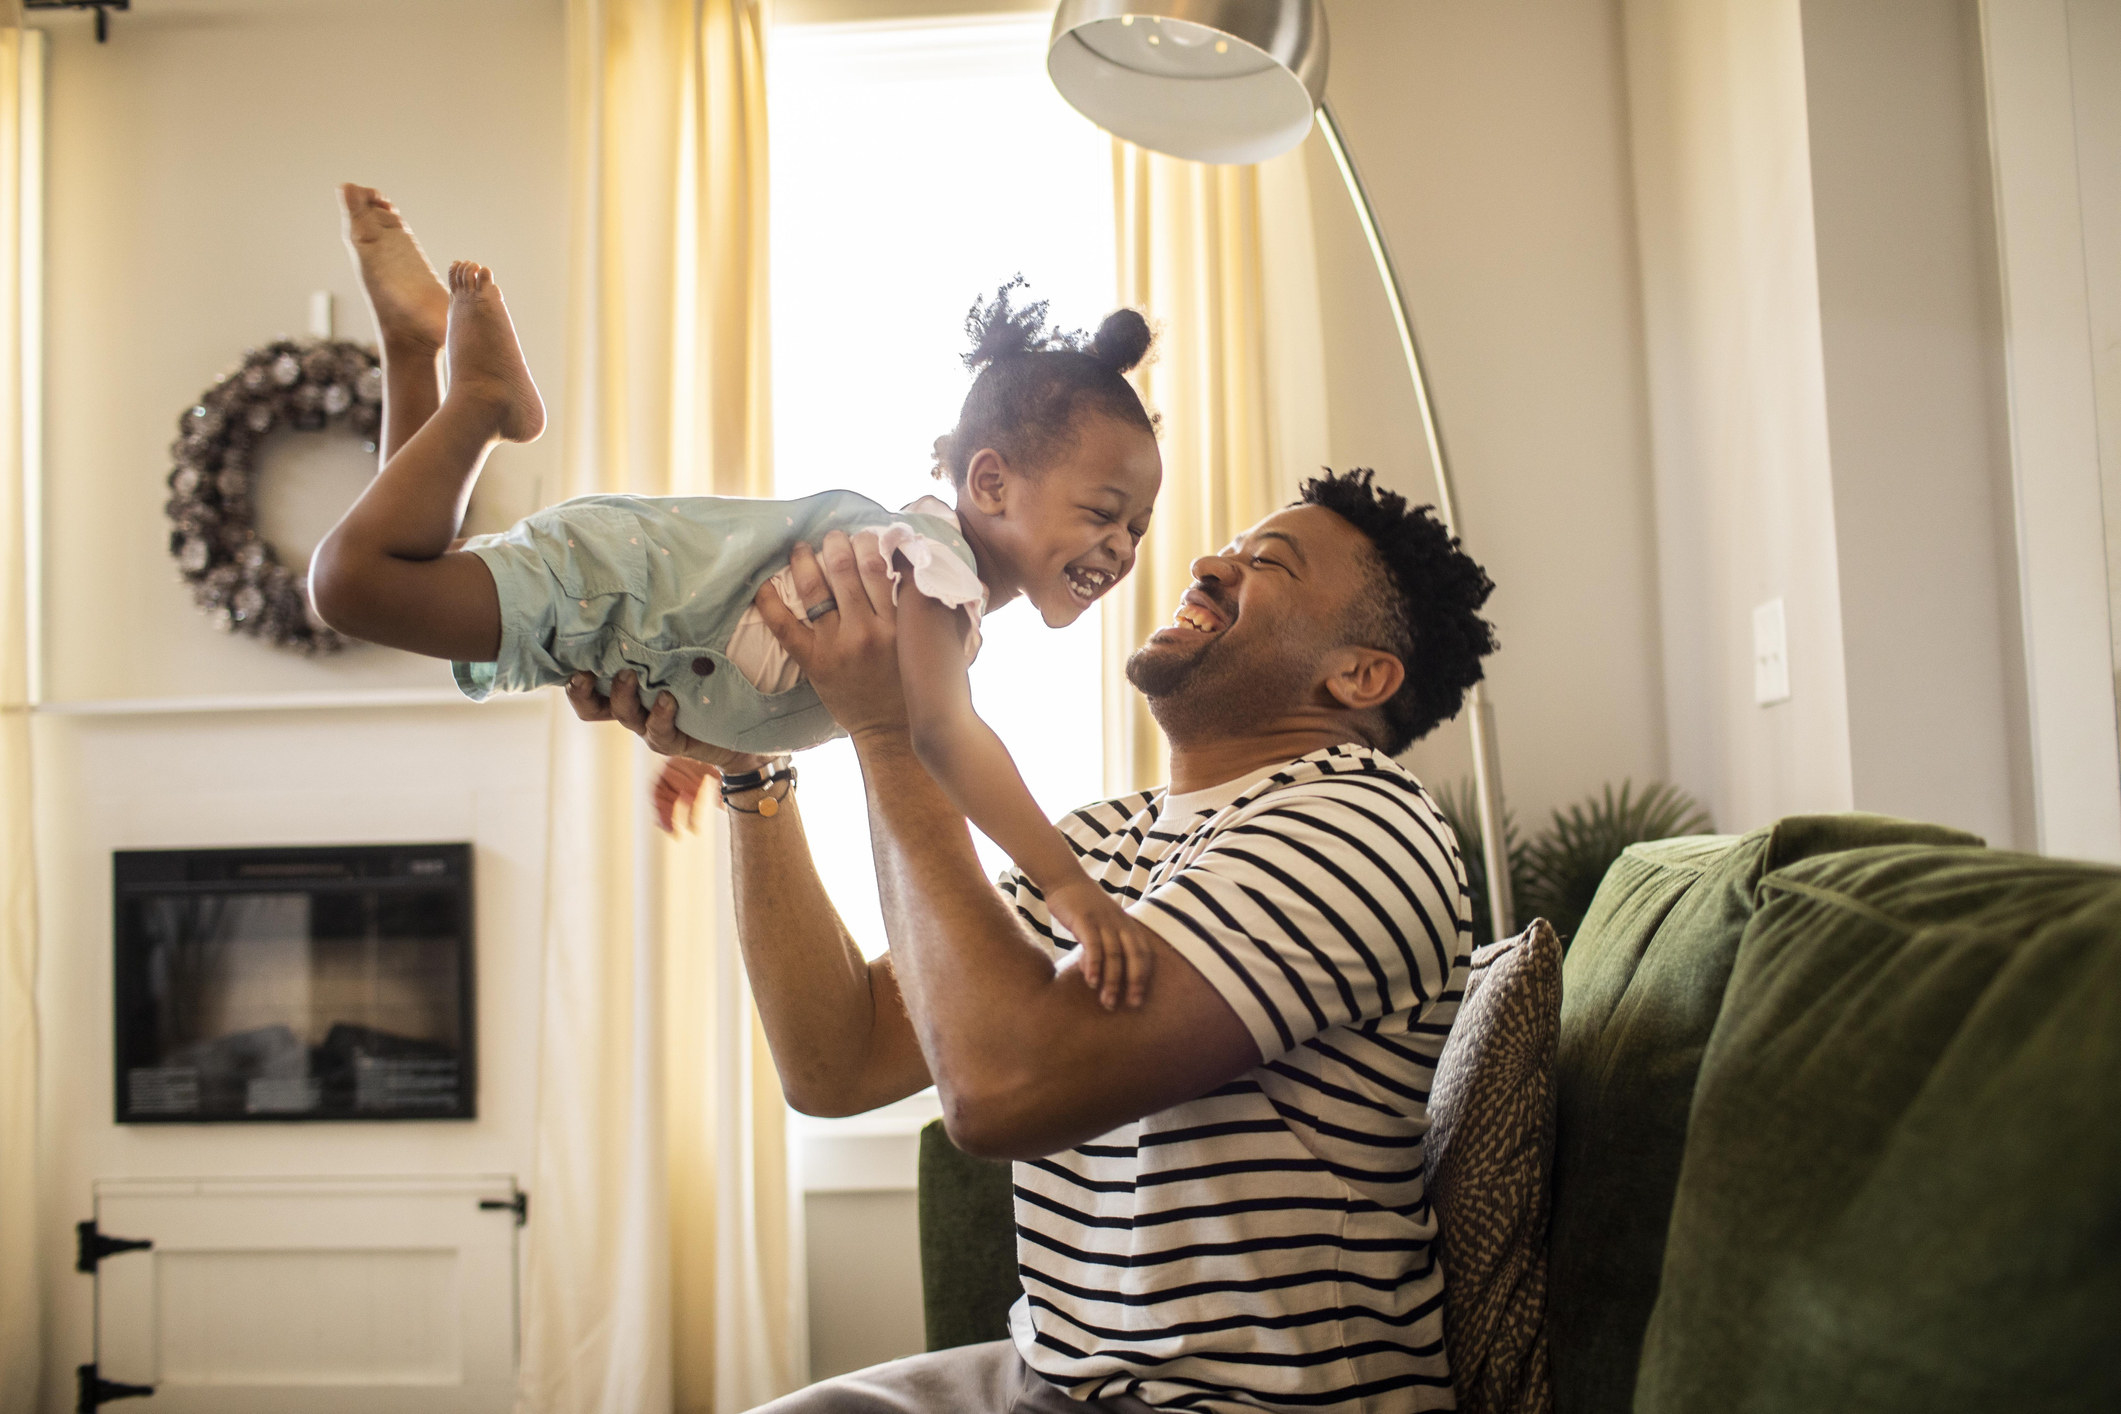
<point>849,652</point>
<point>656,726</point>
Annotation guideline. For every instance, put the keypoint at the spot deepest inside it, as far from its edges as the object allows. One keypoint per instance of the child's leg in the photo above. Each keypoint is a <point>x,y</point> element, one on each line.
<point>386,572</point>
<point>411,310</point>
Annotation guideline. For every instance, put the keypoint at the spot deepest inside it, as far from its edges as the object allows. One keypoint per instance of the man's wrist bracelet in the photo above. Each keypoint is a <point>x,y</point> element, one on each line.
<point>734,782</point>
<point>738,783</point>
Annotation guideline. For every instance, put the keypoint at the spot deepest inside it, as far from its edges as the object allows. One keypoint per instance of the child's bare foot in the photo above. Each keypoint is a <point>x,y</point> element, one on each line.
<point>484,359</point>
<point>406,296</point>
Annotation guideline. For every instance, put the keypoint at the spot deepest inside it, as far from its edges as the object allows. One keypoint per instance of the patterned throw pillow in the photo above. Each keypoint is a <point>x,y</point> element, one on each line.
<point>1490,1154</point>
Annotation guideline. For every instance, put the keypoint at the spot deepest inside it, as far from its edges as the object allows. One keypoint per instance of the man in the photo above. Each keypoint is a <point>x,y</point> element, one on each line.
<point>1219,1201</point>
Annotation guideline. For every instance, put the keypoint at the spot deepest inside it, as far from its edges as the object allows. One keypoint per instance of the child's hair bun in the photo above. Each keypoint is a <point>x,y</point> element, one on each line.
<point>1031,381</point>
<point>999,330</point>
<point>1121,341</point>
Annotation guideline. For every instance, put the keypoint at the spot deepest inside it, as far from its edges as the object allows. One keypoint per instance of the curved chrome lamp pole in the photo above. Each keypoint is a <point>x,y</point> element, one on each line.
<point>1239,81</point>
<point>1487,762</point>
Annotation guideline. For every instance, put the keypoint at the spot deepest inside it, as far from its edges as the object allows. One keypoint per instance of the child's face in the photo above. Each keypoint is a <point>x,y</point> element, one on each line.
<point>1067,532</point>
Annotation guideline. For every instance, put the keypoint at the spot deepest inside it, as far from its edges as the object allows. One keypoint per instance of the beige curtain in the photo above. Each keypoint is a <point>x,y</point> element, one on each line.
<point>21,104</point>
<point>660,1271</point>
<point>1221,259</point>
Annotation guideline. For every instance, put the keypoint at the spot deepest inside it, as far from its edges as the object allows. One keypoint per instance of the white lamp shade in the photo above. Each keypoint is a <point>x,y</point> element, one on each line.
<point>1206,80</point>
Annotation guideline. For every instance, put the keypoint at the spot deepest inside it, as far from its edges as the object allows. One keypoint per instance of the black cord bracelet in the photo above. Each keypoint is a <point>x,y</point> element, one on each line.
<point>744,782</point>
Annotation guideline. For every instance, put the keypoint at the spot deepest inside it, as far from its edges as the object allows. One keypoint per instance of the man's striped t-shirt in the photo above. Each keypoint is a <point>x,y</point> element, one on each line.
<point>1268,1245</point>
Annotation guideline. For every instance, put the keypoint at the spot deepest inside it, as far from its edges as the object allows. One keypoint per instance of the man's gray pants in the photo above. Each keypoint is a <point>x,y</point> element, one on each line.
<point>967,1379</point>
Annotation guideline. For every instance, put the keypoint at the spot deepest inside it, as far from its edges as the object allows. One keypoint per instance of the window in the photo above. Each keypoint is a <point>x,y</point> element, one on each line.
<point>916,166</point>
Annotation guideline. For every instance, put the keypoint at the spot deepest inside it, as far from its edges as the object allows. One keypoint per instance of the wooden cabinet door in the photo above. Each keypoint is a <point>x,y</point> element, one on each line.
<point>333,1296</point>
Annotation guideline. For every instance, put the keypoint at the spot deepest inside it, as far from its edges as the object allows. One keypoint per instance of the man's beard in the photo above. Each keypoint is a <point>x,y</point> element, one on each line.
<point>1211,693</point>
<point>1158,675</point>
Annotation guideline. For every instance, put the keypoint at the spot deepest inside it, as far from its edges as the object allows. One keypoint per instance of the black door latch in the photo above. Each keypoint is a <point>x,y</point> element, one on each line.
<point>91,1246</point>
<point>519,1205</point>
<point>96,1391</point>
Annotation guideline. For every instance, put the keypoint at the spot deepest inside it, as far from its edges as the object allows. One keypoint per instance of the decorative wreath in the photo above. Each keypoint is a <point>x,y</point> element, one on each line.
<point>305,384</point>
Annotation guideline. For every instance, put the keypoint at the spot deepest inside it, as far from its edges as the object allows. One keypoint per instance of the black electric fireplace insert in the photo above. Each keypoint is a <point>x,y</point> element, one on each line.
<point>326,983</point>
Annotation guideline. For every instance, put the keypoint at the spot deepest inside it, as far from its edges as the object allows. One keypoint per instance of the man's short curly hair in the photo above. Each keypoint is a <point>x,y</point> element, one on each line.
<point>1422,606</point>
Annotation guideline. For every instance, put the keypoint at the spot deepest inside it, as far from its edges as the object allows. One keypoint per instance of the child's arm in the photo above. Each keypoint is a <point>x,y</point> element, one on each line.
<point>962,752</point>
<point>976,771</point>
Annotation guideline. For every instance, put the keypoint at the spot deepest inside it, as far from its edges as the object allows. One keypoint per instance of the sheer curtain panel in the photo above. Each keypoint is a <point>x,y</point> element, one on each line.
<point>1221,260</point>
<point>660,1271</point>
<point>21,143</point>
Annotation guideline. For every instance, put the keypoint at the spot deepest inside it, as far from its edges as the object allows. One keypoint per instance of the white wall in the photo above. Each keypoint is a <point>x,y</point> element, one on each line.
<point>2095,85</point>
<point>1494,140</point>
<point>1730,296</point>
<point>864,1279</point>
<point>190,213</point>
<point>1911,334</point>
<point>192,166</point>
<point>2054,313</point>
<point>1712,302</point>
<point>1872,386</point>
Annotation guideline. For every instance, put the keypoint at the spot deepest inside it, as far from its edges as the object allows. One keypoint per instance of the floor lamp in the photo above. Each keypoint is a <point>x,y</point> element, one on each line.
<point>1240,81</point>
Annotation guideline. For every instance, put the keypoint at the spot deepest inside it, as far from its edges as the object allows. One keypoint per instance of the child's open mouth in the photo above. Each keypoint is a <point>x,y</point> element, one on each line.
<point>1087,584</point>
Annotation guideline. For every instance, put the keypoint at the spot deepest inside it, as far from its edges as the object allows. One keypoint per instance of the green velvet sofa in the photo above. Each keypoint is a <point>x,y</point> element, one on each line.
<point>1839,1129</point>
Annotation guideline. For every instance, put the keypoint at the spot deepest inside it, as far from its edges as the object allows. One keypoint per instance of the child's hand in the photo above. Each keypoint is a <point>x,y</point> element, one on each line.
<point>677,785</point>
<point>1117,958</point>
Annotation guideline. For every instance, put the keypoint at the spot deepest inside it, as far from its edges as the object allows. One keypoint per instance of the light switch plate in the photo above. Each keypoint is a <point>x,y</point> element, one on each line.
<point>1771,654</point>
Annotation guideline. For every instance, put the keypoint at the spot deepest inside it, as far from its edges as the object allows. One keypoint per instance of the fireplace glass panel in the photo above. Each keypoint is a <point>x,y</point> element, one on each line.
<point>294,984</point>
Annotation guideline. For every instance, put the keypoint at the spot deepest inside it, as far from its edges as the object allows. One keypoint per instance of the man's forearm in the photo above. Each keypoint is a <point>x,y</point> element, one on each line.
<point>1026,1059</point>
<point>995,1021</point>
<point>833,1019</point>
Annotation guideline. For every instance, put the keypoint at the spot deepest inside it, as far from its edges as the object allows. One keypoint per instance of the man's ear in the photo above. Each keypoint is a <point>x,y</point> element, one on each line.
<point>986,481</point>
<point>1363,679</point>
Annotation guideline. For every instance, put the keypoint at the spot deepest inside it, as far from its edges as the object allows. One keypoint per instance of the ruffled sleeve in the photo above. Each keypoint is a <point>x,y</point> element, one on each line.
<point>938,571</point>
<point>941,570</point>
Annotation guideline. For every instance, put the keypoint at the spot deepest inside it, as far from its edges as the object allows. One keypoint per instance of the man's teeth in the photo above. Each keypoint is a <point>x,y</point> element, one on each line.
<point>1190,617</point>
<point>1088,584</point>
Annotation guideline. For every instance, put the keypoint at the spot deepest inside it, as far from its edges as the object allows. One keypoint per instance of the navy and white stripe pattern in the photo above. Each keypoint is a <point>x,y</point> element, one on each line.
<point>1268,1246</point>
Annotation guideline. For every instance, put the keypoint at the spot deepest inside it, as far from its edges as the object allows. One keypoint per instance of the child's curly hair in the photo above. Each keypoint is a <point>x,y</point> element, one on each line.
<point>1422,605</point>
<point>1031,382</point>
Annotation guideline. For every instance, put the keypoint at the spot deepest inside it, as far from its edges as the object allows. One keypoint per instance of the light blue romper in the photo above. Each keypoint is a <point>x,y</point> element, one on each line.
<point>656,584</point>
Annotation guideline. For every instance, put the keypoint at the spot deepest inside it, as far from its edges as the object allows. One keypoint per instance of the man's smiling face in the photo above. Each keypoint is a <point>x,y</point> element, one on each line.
<point>1250,633</point>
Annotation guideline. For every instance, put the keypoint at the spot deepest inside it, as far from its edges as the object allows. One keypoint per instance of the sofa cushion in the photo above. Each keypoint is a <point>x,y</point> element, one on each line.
<point>1490,1147</point>
<point>1902,1185</point>
<point>968,1243</point>
<point>1642,988</point>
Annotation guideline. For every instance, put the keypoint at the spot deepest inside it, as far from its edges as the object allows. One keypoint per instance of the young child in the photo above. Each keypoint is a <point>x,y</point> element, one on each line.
<point>1055,464</point>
